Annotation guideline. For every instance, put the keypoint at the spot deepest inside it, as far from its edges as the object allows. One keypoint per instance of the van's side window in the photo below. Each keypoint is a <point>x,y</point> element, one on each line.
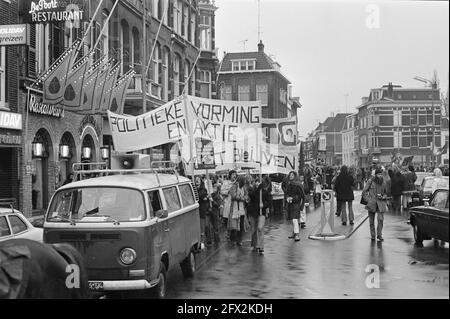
<point>172,199</point>
<point>186,195</point>
<point>155,202</point>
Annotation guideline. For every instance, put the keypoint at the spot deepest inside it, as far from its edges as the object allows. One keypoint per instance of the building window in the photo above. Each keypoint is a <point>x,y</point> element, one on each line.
<point>414,138</point>
<point>185,21</point>
<point>205,83</point>
<point>176,75</point>
<point>155,8</point>
<point>262,94</point>
<point>165,82</point>
<point>413,117</point>
<point>136,56</point>
<point>205,33</point>
<point>192,39</point>
<point>243,65</point>
<point>226,92</point>
<point>193,82</point>
<point>177,16</point>
<point>243,93</point>
<point>125,46</point>
<point>186,72</point>
<point>2,77</point>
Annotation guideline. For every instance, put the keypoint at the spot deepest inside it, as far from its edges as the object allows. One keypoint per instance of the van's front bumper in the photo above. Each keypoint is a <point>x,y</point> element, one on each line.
<point>118,285</point>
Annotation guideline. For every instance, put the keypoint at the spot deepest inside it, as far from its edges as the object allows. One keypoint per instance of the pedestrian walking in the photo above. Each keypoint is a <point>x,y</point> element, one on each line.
<point>344,191</point>
<point>376,194</point>
<point>397,190</point>
<point>295,203</point>
<point>303,211</point>
<point>236,219</point>
<point>214,216</point>
<point>333,183</point>
<point>225,191</point>
<point>204,205</point>
<point>258,211</point>
<point>408,186</point>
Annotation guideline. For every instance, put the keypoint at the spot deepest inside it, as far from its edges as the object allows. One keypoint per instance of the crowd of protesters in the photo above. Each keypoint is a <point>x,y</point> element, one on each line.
<point>242,203</point>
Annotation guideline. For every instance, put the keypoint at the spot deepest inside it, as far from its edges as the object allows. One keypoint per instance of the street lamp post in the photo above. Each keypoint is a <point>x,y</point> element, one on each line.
<point>433,128</point>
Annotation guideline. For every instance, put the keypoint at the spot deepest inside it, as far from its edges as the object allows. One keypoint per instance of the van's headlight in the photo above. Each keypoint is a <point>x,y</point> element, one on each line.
<point>127,256</point>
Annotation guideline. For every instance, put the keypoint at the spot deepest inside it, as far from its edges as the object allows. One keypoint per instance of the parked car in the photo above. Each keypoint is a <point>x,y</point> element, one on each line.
<point>130,228</point>
<point>15,225</point>
<point>427,187</point>
<point>431,220</point>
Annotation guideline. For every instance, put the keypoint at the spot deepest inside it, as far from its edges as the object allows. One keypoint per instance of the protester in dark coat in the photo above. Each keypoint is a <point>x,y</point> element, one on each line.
<point>396,190</point>
<point>344,190</point>
<point>295,199</point>
<point>408,186</point>
<point>258,211</point>
<point>204,204</point>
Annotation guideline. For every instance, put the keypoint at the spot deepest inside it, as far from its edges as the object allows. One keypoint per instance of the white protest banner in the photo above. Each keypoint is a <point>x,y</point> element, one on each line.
<point>163,125</point>
<point>227,124</point>
<point>280,148</point>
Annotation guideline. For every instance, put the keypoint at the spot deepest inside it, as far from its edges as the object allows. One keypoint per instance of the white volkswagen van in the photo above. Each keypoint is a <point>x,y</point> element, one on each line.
<point>131,226</point>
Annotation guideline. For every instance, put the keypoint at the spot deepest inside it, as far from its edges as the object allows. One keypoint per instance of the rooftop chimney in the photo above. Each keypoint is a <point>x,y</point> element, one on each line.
<point>364,99</point>
<point>260,46</point>
<point>390,90</point>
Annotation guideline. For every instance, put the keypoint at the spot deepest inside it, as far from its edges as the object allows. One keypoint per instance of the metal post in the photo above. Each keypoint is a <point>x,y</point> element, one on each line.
<point>144,56</point>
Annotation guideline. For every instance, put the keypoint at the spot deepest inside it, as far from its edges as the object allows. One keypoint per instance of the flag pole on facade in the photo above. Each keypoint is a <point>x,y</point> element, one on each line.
<point>192,70</point>
<point>105,24</point>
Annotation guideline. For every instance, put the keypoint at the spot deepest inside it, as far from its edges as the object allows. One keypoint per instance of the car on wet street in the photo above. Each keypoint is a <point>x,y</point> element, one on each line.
<point>427,187</point>
<point>430,221</point>
<point>14,225</point>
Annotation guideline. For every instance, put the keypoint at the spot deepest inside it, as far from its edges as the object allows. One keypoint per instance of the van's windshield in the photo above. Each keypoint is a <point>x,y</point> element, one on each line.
<point>97,204</point>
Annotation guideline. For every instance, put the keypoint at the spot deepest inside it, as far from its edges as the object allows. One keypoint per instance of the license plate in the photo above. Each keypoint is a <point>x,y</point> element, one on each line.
<point>415,199</point>
<point>96,285</point>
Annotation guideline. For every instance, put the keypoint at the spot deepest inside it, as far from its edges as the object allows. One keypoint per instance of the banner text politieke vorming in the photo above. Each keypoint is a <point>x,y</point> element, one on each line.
<point>234,128</point>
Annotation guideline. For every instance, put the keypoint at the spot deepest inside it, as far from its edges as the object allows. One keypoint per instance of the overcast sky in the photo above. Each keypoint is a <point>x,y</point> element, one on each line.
<point>326,49</point>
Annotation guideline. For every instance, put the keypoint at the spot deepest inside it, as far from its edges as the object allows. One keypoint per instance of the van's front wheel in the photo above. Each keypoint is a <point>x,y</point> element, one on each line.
<point>159,291</point>
<point>188,265</point>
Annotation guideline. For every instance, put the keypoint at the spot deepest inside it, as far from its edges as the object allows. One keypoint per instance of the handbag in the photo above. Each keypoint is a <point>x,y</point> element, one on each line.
<point>364,200</point>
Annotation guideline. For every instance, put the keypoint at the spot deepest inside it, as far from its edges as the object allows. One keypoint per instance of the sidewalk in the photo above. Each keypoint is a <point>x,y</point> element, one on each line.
<point>344,232</point>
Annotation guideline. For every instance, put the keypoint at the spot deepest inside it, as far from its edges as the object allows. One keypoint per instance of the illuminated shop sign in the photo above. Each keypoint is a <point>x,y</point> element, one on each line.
<point>52,11</point>
<point>37,107</point>
<point>13,34</point>
<point>10,120</point>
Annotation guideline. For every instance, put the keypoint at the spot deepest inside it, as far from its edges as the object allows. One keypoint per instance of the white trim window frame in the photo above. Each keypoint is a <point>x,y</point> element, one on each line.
<point>262,94</point>
<point>243,65</point>
<point>176,76</point>
<point>226,92</point>
<point>3,77</point>
<point>204,79</point>
<point>244,92</point>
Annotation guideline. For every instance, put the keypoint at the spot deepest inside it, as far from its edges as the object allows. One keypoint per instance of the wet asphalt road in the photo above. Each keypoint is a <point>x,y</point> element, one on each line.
<point>320,269</point>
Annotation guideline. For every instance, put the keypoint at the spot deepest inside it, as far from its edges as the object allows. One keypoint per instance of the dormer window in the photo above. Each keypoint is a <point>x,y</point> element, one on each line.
<point>243,65</point>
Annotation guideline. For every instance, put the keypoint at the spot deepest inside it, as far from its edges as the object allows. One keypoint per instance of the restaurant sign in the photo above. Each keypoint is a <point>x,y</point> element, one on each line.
<point>37,107</point>
<point>53,11</point>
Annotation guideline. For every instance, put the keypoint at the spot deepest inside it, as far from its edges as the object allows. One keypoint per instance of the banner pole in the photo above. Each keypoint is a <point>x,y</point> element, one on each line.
<point>190,136</point>
<point>90,24</point>
<point>192,70</point>
<point>166,8</point>
<point>104,23</point>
